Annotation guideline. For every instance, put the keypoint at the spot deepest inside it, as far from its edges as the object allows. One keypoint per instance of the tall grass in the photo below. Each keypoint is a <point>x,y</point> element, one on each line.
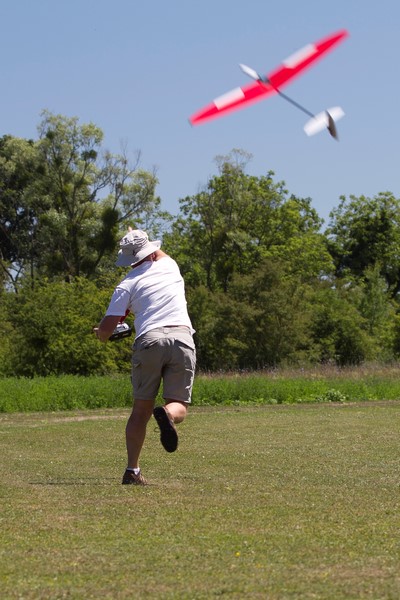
<point>63,393</point>
<point>267,387</point>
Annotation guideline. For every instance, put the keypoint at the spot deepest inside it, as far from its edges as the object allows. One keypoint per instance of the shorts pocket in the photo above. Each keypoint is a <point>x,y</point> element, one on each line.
<point>136,373</point>
<point>186,340</point>
<point>188,354</point>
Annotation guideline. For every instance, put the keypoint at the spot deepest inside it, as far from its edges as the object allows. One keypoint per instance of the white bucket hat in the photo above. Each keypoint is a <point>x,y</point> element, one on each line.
<point>134,247</point>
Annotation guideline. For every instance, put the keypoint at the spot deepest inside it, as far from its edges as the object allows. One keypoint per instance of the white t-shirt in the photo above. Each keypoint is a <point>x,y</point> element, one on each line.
<point>155,293</point>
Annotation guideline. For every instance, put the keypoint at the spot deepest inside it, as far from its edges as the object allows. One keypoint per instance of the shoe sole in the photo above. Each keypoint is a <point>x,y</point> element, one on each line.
<point>169,437</point>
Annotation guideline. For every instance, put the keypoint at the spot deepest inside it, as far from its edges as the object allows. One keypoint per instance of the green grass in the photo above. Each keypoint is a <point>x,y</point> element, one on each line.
<point>272,502</point>
<point>70,392</point>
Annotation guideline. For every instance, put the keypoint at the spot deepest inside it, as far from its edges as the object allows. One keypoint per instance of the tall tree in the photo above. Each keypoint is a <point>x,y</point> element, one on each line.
<point>364,232</point>
<point>20,205</point>
<point>240,219</point>
<point>64,200</point>
<point>82,225</point>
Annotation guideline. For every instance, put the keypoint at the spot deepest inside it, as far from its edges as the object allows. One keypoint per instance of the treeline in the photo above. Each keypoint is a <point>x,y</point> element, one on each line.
<point>266,284</point>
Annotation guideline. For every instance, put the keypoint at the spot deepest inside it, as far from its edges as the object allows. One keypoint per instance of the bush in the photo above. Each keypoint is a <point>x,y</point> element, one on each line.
<point>52,331</point>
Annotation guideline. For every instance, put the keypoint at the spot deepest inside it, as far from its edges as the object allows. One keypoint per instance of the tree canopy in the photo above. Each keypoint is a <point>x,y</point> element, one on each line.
<point>64,200</point>
<point>266,285</point>
<point>365,232</point>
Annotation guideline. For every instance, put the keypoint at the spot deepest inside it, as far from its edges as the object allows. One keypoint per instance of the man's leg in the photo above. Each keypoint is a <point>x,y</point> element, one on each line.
<point>136,430</point>
<point>176,410</point>
<point>178,375</point>
<point>166,417</point>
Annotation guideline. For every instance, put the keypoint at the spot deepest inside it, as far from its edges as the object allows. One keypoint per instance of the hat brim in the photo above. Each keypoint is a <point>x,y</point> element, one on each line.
<point>126,260</point>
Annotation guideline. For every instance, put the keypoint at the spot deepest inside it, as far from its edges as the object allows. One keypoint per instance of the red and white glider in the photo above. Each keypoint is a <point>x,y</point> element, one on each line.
<point>263,87</point>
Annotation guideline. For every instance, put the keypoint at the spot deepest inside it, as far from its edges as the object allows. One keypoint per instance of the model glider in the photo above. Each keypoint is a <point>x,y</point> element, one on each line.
<point>263,87</point>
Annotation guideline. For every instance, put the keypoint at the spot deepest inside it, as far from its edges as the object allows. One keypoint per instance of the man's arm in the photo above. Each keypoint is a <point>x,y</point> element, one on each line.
<point>106,327</point>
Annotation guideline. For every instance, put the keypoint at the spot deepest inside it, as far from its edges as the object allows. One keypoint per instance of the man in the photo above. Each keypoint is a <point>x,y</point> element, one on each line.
<point>163,350</point>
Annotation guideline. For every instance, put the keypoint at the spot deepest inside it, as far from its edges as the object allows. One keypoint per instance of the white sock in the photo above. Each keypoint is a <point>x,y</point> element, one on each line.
<point>136,470</point>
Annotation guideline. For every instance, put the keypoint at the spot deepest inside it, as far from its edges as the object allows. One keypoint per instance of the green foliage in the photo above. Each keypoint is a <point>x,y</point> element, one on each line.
<point>52,330</point>
<point>68,392</point>
<point>74,392</point>
<point>264,316</point>
<point>265,287</point>
<point>6,337</point>
<point>332,396</point>
<point>238,220</point>
<point>64,200</point>
<point>338,329</point>
<point>364,232</point>
<point>21,203</point>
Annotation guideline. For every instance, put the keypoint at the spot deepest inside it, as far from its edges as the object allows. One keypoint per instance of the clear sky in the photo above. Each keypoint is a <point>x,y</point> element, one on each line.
<point>138,70</point>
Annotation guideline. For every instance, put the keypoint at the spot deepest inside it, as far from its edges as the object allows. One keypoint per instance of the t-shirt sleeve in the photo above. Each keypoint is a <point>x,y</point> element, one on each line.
<point>119,303</point>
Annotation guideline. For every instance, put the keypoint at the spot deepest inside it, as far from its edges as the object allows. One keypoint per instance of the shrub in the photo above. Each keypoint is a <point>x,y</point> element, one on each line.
<point>52,331</point>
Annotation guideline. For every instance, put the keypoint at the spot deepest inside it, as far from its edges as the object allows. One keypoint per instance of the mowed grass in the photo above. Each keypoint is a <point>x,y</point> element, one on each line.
<point>269,502</point>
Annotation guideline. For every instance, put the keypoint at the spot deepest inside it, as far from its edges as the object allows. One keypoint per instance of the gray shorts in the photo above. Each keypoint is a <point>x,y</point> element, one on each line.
<point>166,354</point>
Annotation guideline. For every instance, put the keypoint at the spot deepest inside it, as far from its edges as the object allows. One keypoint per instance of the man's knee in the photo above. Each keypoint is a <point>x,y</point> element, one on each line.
<point>142,409</point>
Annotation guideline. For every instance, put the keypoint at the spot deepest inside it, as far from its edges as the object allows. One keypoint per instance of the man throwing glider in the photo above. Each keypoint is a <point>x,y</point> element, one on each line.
<point>163,350</point>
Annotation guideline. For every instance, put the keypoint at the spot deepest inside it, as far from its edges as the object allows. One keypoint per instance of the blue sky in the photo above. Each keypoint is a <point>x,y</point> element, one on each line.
<point>138,70</point>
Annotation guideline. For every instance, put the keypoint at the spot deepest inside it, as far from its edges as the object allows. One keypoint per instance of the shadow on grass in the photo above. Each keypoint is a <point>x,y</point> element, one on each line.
<point>87,481</point>
<point>90,481</point>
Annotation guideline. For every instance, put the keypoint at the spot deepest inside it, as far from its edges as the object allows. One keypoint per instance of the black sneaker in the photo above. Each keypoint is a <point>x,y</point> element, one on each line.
<point>169,437</point>
<point>130,478</point>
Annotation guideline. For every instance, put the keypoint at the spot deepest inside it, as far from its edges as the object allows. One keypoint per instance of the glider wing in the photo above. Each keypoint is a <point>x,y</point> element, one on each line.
<point>288,70</point>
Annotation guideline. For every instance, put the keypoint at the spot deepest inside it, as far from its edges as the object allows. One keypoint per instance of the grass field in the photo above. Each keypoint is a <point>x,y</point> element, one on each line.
<point>273,502</point>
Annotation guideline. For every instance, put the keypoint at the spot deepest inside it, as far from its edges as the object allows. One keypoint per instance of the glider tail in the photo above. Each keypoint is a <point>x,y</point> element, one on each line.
<point>325,120</point>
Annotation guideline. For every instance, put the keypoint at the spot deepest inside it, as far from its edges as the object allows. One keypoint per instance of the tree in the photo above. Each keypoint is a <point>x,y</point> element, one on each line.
<point>81,226</point>
<point>339,333</point>
<point>272,307</point>
<point>51,330</point>
<point>240,219</point>
<point>250,254</point>
<point>365,232</point>
<point>65,200</point>
<point>20,206</point>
